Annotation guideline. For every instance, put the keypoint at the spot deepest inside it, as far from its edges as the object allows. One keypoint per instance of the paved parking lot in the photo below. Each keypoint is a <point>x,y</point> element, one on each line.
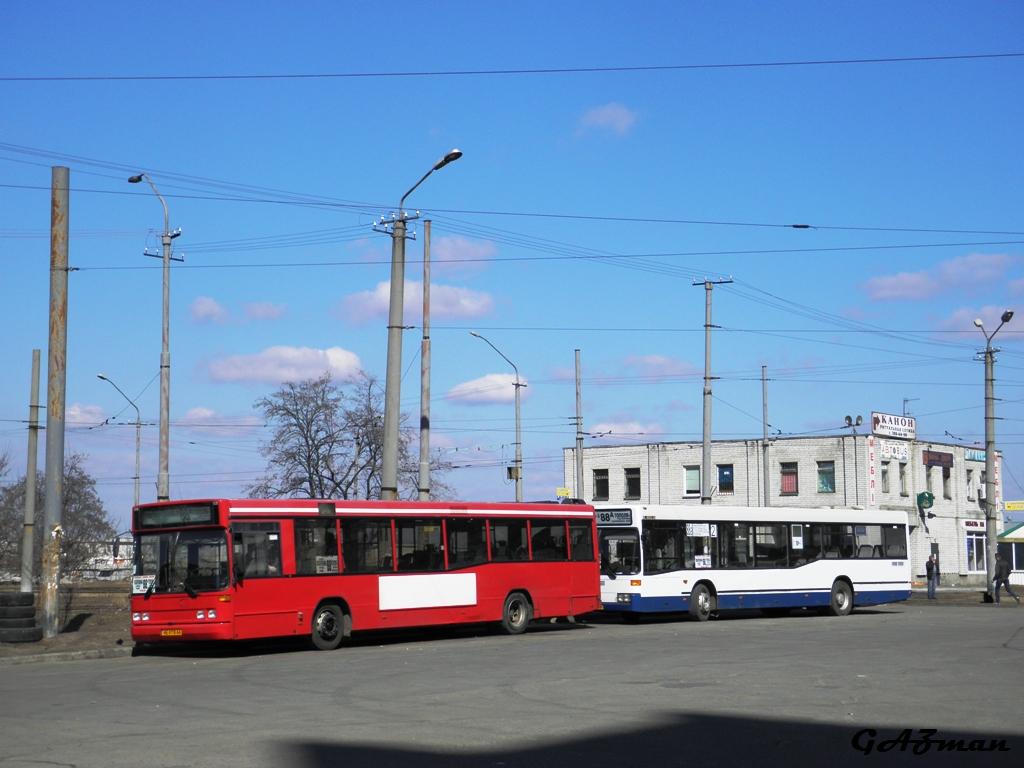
<point>737,691</point>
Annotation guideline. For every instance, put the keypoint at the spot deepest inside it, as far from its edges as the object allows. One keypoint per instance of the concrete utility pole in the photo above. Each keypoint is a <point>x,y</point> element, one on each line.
<point>424,489</point>
<point>518,469</point>
<point>764,425</point>
<point>393,375</point>
<point>163,472</point>
<point>991,535</point>
<point>579,432</point>
<point>55,400</point>
<point>705,475</point>
<point>28,534</point>
<point>853,424</point>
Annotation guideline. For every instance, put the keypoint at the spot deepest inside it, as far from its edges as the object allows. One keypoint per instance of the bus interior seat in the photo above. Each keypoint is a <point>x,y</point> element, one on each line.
<point>876,552</point>
<point>832,554</point>
<point>864,551</point>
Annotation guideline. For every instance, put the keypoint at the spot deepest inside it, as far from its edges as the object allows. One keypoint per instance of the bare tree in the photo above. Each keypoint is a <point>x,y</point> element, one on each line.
<point>83,519</point>
<point>327,442</point>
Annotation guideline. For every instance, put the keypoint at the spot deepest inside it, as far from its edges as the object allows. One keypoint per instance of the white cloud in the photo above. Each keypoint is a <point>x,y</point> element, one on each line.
<point>207,310</point>
<point>206,421</point>
<point>1016,287</point>
<point>626,431</point>
<point>962,323</point>
<point>276,365</point>
<point>492,388</point>
<point>446,302</point>
<point>79,415</point>
<point>957,274</point>
<point>454,254</point>
<point>905,285</point>
<point>264,310</point>
<point>660,365</point>
<point>613,117</point>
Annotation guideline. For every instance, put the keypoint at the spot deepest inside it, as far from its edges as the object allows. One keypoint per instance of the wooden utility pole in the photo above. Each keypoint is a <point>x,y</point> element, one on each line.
<point>55,396</point>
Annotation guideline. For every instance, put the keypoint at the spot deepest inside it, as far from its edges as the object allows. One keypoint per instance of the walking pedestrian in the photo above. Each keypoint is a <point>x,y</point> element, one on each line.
<point>932,570</point>
<point>1003,577</point>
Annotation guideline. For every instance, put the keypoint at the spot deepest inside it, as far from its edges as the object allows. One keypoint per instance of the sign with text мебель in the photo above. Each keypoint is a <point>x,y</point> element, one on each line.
<point>887,425</point>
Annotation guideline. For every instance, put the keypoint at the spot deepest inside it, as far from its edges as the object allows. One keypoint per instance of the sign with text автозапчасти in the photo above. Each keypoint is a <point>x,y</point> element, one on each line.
<point>888,425</point>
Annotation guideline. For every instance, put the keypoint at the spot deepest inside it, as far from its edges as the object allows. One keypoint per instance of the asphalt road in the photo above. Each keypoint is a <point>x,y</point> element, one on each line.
<point>737,691</point>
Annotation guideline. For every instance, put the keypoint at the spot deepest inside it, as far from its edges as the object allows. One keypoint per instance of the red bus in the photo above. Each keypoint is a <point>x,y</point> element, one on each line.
<point>233,569</point>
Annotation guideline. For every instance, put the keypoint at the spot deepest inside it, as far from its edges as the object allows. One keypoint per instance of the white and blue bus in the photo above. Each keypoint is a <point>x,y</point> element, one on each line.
<point>669,558</point>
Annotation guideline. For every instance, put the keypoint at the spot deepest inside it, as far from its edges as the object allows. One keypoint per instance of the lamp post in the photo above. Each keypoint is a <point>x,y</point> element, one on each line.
<point>519,441</point>
<point>162,478</point>
<point>138,431</point>
<point>393,377</point>
<point>991,541</point>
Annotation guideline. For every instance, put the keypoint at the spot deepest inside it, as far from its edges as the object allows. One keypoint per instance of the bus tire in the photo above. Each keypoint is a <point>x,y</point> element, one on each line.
<point>516,613</point>
<point>16,598</point>
<point>329,625</point>
<point>841,602</point>
<point>702,603</point>
<point>16,623</point>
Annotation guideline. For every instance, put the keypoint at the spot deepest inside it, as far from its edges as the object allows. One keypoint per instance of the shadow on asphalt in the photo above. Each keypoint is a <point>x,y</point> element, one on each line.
<point>681,739</point>
<point>243,648</point>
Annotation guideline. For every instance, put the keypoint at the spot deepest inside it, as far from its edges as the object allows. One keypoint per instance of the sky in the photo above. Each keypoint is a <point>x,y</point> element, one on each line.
<point>615,154</point>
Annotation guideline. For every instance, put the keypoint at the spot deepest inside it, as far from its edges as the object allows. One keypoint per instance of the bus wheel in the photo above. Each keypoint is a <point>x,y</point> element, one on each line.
<point>842,599</point>
<point>702,603</point>
<point>516,613</point>
<point>328,627</point>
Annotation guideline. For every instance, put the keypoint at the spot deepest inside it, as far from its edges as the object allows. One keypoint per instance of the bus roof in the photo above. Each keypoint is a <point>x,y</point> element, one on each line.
<point>754,514</point>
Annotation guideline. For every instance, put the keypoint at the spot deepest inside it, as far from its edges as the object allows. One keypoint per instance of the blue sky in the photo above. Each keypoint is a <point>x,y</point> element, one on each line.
<point>585,206</point>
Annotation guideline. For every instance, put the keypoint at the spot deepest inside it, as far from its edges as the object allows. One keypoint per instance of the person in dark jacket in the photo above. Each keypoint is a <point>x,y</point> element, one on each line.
<point>932,570</point>
<point>1003,577</point>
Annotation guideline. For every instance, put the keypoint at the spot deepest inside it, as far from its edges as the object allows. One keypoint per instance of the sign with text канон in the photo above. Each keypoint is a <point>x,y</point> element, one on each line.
<point>887,425</point>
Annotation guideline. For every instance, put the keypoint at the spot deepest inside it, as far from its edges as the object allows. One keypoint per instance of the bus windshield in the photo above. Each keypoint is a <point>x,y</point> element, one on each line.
<point>189,561</point>
<point>620,551</point>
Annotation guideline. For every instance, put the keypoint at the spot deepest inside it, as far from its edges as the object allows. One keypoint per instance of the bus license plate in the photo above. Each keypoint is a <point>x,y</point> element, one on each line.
<point>171,633</point>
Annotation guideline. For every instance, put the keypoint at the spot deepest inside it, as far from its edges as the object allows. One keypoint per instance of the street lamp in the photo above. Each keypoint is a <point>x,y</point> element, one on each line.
<point>519,441</point>
<point>138,431</point>
<point>393,377</point>
<point>162,479</point>
<point>991,542</point>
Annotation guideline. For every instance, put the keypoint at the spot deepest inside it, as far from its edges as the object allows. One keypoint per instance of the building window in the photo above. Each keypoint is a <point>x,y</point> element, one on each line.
<point>600,485</point>
<point>947,483</point>
<point>725,479</point>
<point>970,485</point>
<point>790,484</point>
<point>632,483</point>
<point>976,553</point>
<point>826,477</point>
<point>903,479</point>
<point>692,487</point>
<point>885,477</point>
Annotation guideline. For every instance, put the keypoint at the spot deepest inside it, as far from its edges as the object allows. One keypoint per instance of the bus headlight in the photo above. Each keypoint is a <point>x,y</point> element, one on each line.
<point>136,616</point>
<point>200,614</point>
<point>624,597</point>
<point>211,614</point>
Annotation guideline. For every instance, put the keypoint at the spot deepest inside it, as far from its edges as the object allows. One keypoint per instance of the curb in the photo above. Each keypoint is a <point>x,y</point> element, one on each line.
<point>106,653</point>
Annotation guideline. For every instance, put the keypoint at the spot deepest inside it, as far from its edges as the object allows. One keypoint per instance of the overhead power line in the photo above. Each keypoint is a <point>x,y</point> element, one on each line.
<point>518,71</point>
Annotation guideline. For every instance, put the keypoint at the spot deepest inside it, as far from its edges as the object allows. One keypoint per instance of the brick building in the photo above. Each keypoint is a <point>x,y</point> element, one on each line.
<point>848,470</point>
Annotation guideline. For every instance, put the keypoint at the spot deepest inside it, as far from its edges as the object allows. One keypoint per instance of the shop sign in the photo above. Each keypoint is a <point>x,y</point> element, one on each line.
<point>973,454</point>
<point>937,459</point>
<point>973,525</point>
<point>1015,506</point>
<point>888,425</point>
<point>891,449</point>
